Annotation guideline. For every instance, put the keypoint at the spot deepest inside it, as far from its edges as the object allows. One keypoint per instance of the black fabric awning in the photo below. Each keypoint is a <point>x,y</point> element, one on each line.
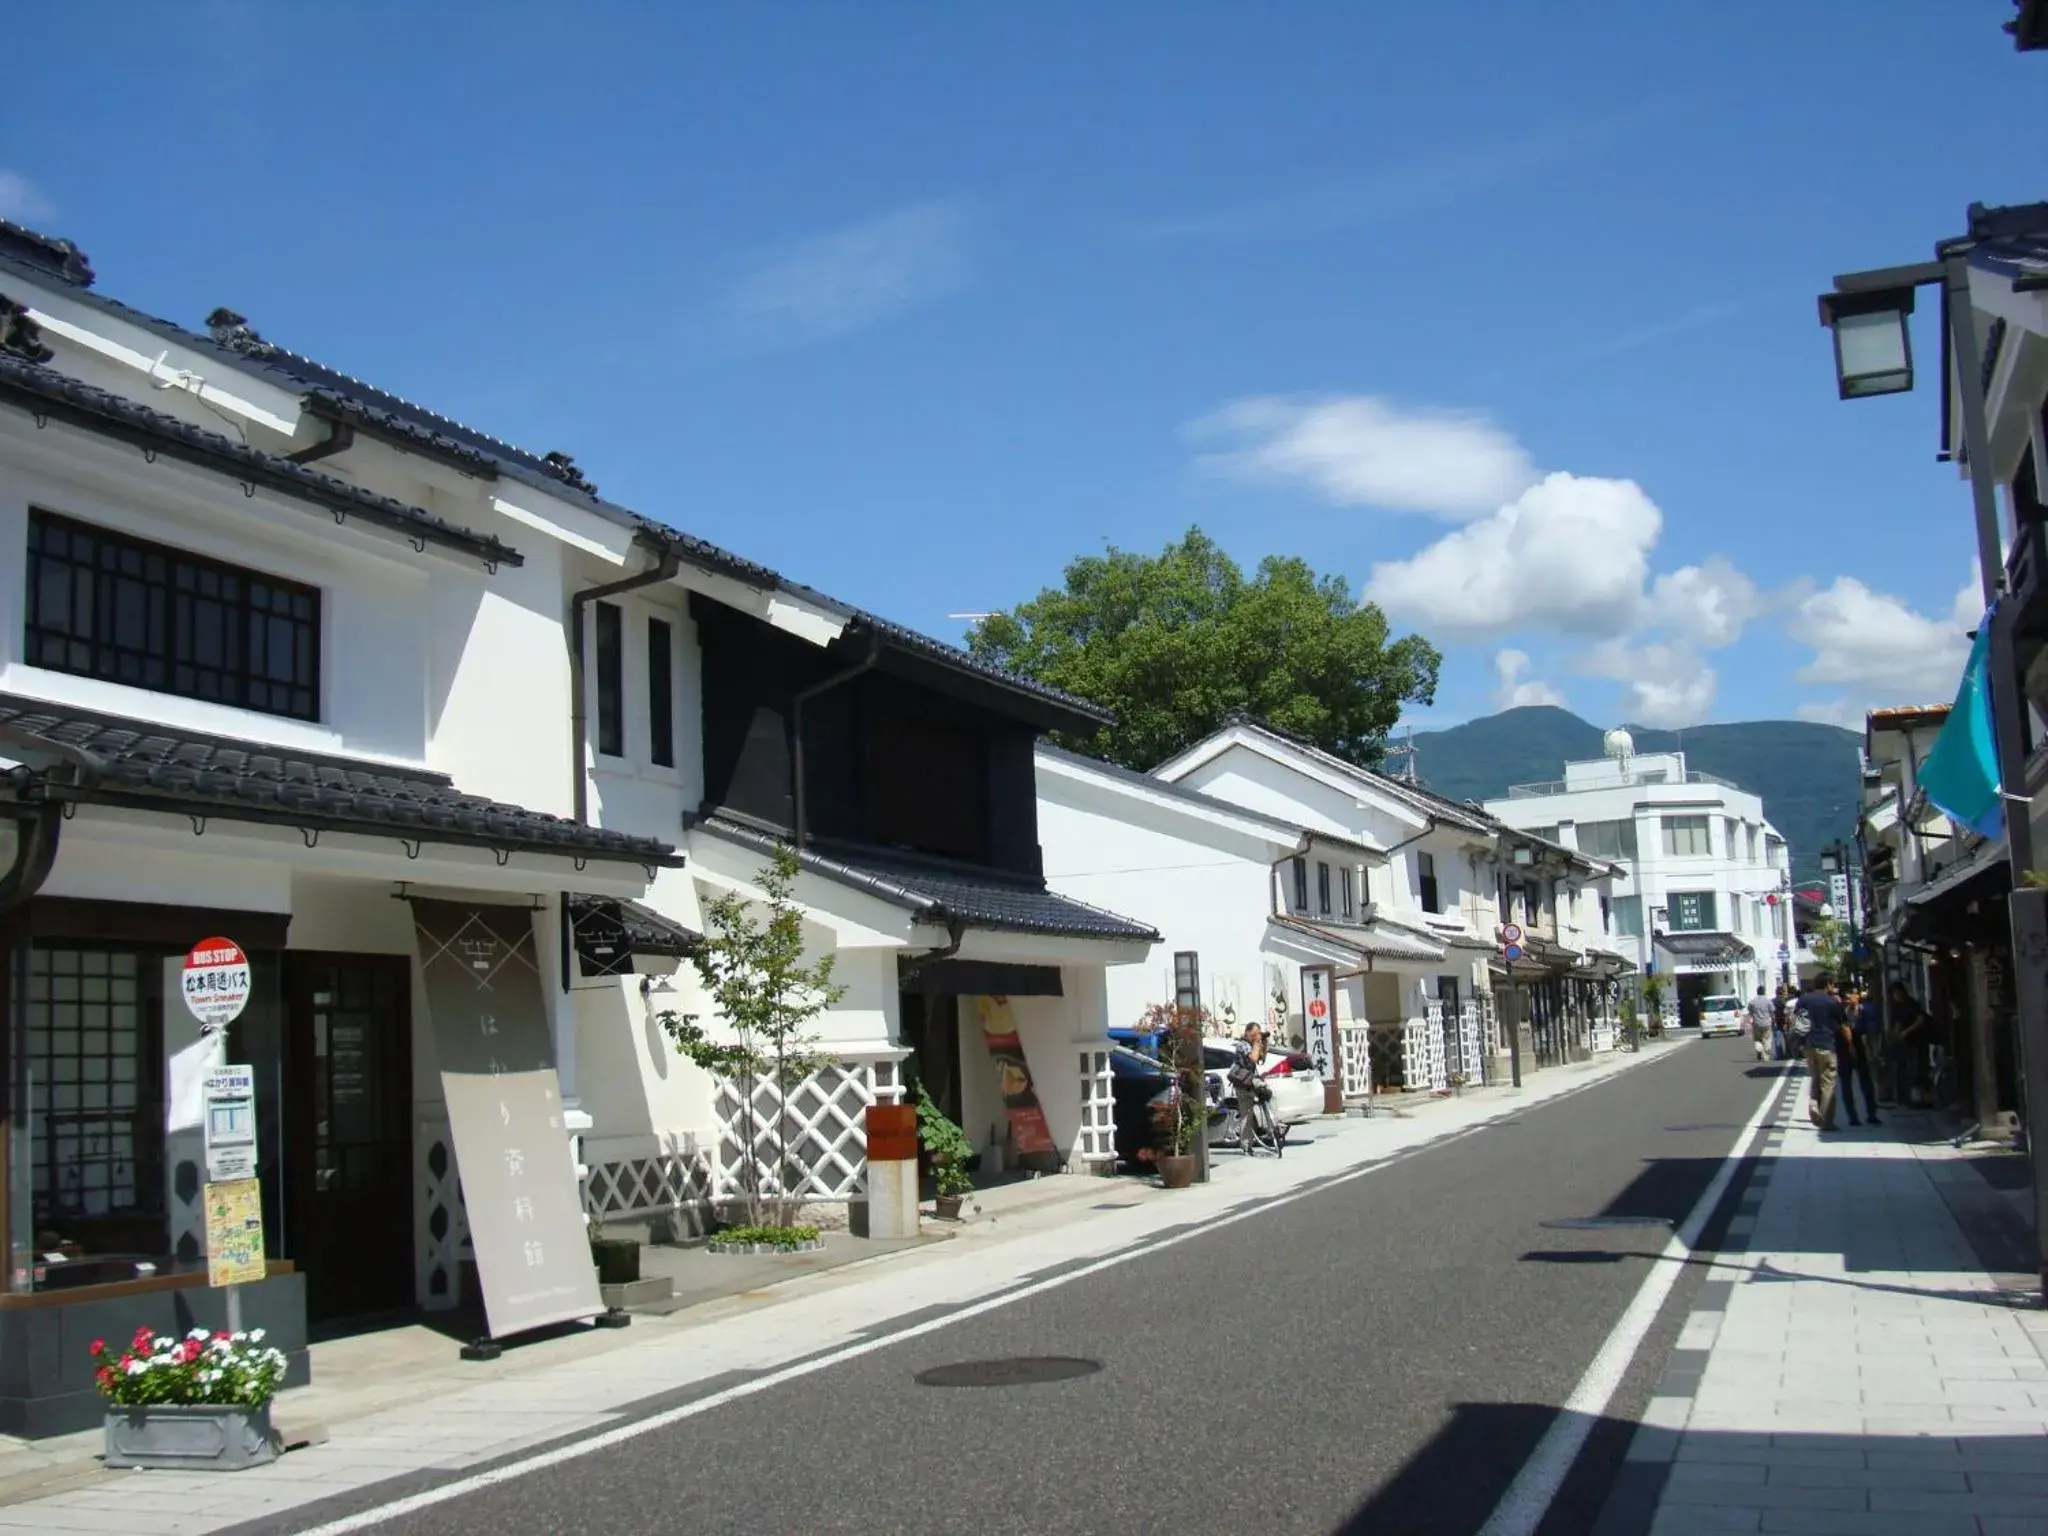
<point>984,978</point>
<point>1705,947</point>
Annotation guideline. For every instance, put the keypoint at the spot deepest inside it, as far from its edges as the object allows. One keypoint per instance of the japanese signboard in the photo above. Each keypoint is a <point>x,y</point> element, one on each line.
<point>1035,1146</point>
<point>234,1232</point>
<point>229,1120</point>
<point>1319,1017</point>
<point>216,982</point>
<point>505,1114</point>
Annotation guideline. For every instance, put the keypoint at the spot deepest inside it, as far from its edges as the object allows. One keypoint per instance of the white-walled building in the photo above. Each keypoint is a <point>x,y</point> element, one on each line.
<point>1243,900</point>
<point>399,708</point>
<point>1451,876</point>
<point>1702,893</point>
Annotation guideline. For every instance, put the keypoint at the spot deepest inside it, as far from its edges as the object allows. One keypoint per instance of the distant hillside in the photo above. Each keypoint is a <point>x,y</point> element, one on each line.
<point>1806,773</point>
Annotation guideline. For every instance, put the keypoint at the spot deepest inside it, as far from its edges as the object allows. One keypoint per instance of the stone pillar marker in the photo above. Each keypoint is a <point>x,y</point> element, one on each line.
<point>892,1170</point>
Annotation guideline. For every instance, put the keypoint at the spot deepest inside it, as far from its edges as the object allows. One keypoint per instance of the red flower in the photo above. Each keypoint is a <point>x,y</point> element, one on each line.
<point>142,1339</point>
<point>99,1347</point>
<point>222,1337</point>
<point>126,1361</point>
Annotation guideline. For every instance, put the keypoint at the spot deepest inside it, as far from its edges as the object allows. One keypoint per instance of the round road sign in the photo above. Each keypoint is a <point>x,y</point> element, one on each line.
<point>1510,934</point>
<point>1513,951</point>
<point>216,982</point>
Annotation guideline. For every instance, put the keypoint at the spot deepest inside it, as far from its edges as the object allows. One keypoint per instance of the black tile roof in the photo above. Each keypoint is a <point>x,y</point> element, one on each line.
<point>45,393</point>
<point>341,396</point>
<point>1196,797</point>
<point>644,930</point>
<point>156,767</point>
<point>940,895</point>
<point>45,254</point>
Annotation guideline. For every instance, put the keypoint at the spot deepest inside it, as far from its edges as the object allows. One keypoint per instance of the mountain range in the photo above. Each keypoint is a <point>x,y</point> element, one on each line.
<point>1807,773</point>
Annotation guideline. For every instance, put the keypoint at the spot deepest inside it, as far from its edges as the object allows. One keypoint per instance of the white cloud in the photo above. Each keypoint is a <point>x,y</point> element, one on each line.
<point>22,200</point>
<point>1568,555</point>
<point>853,278</point>
<point>1515,690</point>
<point>1707,604</point>
<point>1663,684</point>
<point>1362,450</point>
<point>1874,649</point>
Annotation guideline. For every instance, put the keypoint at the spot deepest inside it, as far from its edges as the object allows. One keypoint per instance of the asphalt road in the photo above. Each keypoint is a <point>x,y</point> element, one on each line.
<point>1381,1356</point>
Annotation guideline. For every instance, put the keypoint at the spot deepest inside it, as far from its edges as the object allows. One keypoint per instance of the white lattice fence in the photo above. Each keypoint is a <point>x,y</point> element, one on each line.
<point>1436,1057</point>
<point>1470,1055</point>
<point>815,1138</point>
<point>657,1185</point>
<point>1097,1143</point>
<point>1354,1056</point>
<point>441,1238</point>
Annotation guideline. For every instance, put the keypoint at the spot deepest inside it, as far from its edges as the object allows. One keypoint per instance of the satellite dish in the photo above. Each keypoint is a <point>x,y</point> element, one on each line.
<point>1619,744</point>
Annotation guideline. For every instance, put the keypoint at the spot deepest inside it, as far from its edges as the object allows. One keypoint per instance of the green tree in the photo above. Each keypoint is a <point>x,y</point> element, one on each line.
<point>766,997</point>
<point>1175,643</point>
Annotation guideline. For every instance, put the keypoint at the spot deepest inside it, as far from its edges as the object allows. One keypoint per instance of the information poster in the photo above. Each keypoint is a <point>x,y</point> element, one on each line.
<point>1035,1146</point>
<point>234,1232</point>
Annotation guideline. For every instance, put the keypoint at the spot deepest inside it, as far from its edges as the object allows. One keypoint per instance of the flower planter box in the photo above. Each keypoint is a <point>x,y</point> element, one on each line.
<point>813,1246</point>
<point>205,1438</point>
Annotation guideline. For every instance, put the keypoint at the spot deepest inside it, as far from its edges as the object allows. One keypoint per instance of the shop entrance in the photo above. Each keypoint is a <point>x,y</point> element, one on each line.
<point>348,1133</point>
<point>931,1029</point>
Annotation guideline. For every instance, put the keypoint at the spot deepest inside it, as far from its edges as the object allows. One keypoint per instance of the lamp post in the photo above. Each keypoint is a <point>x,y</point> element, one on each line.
<point>1867,313</point>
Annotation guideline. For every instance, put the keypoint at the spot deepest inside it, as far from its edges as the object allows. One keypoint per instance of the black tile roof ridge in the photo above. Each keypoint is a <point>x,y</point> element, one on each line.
<point>268,357</point>
<point>1180,791</point>
<point>45,383</point>
<point>52,254</point>
<point>887,875</point>
<point>1471,815</point>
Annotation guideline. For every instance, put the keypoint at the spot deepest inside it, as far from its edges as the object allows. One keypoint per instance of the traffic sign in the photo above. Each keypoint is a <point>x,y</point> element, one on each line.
<point>1512,952</point>
<point>1510,934</point>
<point>216,982</point>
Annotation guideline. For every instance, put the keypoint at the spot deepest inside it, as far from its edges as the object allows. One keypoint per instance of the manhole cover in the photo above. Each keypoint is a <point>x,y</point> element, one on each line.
<point>1024,1371</point>
<point>1581,1223</point>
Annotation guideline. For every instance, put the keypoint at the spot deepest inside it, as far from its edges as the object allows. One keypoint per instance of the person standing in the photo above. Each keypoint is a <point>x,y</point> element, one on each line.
<point>1854,1047</point>
<point>1822,1012</point>
<point>1762,1023</point>
<point>1910,1039</point>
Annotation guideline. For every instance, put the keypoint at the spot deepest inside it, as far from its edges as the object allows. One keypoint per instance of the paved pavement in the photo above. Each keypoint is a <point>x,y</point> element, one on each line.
<point>1391,1328</point>
<point>1852,1368</point>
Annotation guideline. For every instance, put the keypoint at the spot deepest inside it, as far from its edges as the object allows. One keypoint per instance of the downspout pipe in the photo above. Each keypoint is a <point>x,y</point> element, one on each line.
<point>799,788</point>
<point>910,965</point>
<point>35,851</point>
<point>667,563</point>
<point>663,569</point>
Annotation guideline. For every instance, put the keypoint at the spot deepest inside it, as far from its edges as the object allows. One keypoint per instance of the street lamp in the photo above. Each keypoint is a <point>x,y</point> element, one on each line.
<point>1873,348</point>
<point>1867,314</point>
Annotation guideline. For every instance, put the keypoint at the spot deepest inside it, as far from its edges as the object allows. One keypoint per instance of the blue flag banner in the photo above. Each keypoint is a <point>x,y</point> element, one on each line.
<point>1960,775</point>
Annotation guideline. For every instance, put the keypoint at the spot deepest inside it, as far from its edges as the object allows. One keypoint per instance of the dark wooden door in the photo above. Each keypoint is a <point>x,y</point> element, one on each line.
<point>348,1131</point>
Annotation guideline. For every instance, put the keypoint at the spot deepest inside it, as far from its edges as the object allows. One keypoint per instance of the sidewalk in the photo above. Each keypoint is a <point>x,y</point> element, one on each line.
<point>1850,1366</point>
<point>394,1414</point>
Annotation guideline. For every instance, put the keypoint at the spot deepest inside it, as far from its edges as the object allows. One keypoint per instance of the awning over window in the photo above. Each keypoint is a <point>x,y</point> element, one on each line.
<point>614,938</point>
<point>1706,948</point>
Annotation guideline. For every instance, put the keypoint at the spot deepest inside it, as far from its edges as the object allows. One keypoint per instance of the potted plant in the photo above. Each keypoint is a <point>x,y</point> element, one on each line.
<point>617,1258</point>
<point>1185,1116</point>
<point>949,1150</point>
<point>200,1402</point>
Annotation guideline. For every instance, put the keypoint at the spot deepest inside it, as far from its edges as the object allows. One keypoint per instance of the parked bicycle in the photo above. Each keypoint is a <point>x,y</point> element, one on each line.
<point>1249,1122</point>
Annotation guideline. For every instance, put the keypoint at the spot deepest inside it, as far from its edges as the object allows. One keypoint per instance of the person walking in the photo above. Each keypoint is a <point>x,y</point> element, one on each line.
<point>1762,1025</point>
<point>1854,1047</point>
<point>1821,1011</point>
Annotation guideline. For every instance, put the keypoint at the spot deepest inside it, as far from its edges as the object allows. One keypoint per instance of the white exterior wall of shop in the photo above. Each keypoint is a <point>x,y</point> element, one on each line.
<point>1652,876</point>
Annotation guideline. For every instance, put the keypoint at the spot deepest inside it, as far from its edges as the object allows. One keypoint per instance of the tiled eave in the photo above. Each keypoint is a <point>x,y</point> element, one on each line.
<point>48,395</point>
<point>147,766</point>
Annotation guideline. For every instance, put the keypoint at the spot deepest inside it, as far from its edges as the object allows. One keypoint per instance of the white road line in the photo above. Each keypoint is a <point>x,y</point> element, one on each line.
<point>366,1519</point>
<point>1528,1499</point>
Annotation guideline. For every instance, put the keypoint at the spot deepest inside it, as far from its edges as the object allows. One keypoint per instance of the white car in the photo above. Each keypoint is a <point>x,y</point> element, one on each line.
<point>1722,1013</point>
<point>1291,1075</point>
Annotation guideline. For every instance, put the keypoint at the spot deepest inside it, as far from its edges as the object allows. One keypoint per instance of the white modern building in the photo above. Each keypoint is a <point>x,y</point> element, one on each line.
<point>1703,894</point>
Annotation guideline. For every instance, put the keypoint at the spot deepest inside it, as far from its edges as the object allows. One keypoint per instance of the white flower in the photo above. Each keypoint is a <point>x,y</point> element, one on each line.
<point>243,1336</point>
<point>255,1335</point>
<point>137,1367</point>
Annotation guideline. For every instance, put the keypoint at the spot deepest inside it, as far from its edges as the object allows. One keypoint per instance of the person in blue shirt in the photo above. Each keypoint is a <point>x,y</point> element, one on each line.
<point>1822,1011</point>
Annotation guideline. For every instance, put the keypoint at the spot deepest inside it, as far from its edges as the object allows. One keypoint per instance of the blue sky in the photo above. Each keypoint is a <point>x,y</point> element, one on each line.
<point>917,302</point>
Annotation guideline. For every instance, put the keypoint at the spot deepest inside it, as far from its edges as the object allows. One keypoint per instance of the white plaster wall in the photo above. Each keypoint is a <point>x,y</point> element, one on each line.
<point>1205,895</point>
<point>374,595</point>
<point>632,793</point>
<point>95,861</point>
